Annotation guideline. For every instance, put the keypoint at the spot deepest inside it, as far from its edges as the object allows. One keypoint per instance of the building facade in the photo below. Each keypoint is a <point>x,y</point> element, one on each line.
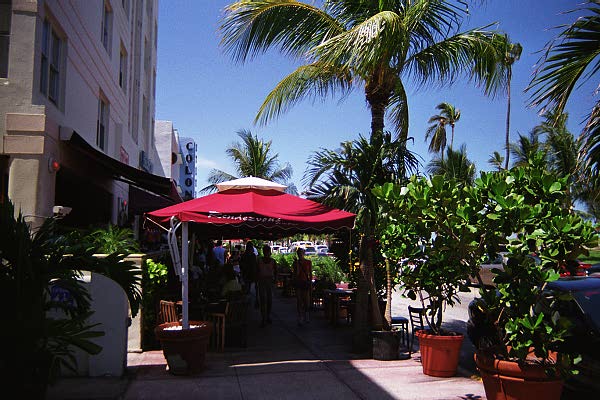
<point>177,157</point>
<point>77,97</point>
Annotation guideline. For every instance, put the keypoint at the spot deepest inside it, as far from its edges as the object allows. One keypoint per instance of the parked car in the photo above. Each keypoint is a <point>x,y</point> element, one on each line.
<point>322,249</point>
<point>487,274</point>
<point>584,311</point>
<point>310,251</point>
<point>485,270</point>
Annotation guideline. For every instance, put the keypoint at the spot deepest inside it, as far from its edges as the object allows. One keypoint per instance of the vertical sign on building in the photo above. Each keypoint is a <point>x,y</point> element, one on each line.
<point>188,176</point>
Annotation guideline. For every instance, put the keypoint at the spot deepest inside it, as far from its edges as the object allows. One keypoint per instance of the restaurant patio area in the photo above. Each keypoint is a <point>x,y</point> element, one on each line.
<point>281,361</point>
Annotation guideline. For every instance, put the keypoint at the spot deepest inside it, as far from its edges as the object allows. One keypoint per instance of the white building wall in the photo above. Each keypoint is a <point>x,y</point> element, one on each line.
<point>88,71</point>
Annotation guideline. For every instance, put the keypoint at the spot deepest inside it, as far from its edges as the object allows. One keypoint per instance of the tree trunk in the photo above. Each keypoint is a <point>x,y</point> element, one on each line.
<point>388,294</point>
<point>360,334</point>
<point>452,138</point>
<point>507,141</point>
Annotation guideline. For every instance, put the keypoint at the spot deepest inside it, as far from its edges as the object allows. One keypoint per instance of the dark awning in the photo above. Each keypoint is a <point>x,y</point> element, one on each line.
<point>159,185</point>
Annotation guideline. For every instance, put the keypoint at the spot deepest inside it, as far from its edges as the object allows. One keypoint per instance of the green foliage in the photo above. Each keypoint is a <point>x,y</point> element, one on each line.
<point>42,331</point>
<point>114,239</point>
<point>154,281</point>
<point>328,269</point>
<point>443,231</point>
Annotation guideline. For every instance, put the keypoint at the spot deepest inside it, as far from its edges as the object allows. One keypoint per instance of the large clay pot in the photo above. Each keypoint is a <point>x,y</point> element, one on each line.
<point>509,380</point>
<point>184,349</point>
<point>385,345</point>
<point>439,354</point>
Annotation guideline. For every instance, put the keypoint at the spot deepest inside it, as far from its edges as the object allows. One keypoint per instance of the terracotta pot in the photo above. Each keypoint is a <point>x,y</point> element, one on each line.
<point>184,349</point>
<point>439,354</point>
<point>509,380</point>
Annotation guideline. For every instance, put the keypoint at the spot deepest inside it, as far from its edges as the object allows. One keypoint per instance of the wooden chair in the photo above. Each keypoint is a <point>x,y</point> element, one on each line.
<point>217,339</point>
<point>167,312</point>
<point>415,314</point>
<point>232,321</point>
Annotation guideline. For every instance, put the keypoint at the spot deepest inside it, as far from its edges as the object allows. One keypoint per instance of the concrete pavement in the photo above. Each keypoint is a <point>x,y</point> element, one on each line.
<point>281,361</point>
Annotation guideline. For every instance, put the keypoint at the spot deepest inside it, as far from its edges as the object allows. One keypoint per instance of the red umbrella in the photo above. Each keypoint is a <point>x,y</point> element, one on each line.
<point>254,212</point>
<point>246,211</point>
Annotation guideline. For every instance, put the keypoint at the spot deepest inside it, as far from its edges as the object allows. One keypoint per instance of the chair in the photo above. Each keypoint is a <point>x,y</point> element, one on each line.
<point>230,323</point>
<point>401,323</point>
<point>217,339</point>
<point>167,312</point>
<point>415,314</point>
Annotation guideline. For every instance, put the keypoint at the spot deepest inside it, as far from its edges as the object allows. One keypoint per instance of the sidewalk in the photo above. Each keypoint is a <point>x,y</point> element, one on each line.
<point>281,361</point>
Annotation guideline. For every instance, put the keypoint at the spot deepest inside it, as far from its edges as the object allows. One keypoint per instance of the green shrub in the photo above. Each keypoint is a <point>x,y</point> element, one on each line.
<point>327,269</point>
<point>154,283</point>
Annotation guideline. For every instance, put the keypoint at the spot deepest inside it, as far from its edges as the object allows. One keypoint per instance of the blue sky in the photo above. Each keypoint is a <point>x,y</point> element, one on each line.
<point>209,97</point>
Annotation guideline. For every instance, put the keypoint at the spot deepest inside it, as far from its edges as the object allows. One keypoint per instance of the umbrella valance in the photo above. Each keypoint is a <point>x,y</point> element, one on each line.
<point>252,212</point>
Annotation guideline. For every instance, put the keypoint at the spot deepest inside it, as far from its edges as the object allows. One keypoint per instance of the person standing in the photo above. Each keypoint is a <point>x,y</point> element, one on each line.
<point>219,253</point>
<point>248,266</point>
<point>265,276</point>
<point>303,283</point>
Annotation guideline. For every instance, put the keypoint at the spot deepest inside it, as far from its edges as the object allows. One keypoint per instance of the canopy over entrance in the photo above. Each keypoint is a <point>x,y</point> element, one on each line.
<point>254,213</point>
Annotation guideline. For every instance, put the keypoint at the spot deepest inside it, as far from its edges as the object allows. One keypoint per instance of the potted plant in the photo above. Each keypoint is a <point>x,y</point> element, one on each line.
<point>517,327</point>
<point>184,349</point>
<point>428,225</point>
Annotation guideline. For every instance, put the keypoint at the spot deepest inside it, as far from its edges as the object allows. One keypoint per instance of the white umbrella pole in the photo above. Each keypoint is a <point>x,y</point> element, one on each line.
<point>184,275</point>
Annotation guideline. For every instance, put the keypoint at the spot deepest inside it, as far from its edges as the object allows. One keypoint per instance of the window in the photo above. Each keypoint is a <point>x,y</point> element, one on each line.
<point>123,68</point>
<point>102,128</point>
<point>50,74</point>
<point>5,16</point>
<point>106,26</point>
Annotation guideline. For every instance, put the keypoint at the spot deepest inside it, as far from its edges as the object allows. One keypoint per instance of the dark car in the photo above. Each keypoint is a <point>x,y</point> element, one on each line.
<point>584,311</point>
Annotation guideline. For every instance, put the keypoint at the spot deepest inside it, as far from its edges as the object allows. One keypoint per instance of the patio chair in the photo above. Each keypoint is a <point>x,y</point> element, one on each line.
<point>415,314</point>
<point>167,312</point>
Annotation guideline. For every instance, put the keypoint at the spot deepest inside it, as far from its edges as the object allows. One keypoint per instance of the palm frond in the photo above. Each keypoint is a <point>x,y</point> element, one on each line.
<point>570,59</point>
<point>313,81</point>
<point>475,53</point>
<point>250,28</point>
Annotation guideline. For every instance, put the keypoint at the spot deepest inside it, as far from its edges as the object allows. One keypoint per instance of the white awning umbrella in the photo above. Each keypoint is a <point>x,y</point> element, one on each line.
<point>250,182</point>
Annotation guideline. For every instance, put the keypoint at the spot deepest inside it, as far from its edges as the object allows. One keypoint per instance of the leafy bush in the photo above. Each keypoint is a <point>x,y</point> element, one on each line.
<point>154,283</point>
<point>327,268</point>
<point>114,239</point>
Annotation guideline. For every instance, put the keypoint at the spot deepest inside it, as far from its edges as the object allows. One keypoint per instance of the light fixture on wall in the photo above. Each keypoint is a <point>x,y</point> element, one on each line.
<point>53,165</point>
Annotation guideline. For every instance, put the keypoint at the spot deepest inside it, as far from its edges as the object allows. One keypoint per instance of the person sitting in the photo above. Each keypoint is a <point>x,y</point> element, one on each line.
<point>231,285</point>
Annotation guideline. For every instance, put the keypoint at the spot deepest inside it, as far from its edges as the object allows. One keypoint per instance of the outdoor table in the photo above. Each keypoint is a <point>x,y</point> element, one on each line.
<point>332,299</point>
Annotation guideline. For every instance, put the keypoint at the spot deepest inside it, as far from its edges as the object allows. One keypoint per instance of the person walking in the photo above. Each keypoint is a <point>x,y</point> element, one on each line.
<point>265,276</point>
<point>248,267</point>
<point>303,283</point>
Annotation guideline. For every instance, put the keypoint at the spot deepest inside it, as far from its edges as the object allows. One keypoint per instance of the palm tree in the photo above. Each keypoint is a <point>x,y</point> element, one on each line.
<point>448,115</point>
<point>496,161</point>
<point>344,178</point>
<point>252,157</point>
<point>512,53</point>
<point>562,152</point>
<point>570,60</point>
<point>456,165</point>
<point>525,148</point>
<point>372,45</point>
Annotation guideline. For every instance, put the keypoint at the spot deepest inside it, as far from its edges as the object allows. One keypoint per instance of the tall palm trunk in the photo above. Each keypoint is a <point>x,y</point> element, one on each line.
<point>452,137</point>
<point>388,293</point>
<point>507,138</point>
